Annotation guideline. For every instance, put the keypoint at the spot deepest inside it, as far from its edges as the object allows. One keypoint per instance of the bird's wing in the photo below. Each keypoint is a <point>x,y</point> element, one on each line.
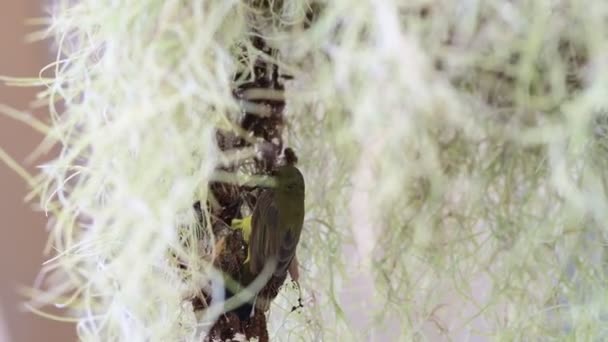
<point>286,251</point>
<point>264,231</point>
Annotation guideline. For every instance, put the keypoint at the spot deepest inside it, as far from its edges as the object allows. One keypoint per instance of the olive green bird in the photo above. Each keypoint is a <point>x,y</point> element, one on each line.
<point>273,230</point>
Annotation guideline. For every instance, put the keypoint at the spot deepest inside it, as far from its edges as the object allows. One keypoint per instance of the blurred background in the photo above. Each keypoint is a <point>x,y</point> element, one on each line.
<point>22,230</point>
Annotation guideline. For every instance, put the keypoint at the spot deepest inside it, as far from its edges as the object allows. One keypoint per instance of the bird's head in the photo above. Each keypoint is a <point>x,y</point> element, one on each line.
<point>289,180</point>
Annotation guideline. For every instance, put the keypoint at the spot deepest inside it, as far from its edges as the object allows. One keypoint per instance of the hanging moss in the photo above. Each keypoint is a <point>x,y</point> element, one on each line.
<point>453,153</point>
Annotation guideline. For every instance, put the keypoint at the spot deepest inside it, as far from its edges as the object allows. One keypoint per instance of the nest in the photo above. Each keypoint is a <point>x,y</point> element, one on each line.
<point>265,124</point>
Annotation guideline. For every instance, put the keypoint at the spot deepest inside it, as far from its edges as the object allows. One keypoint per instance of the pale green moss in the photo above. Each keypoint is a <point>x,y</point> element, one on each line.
<point>454,159</point>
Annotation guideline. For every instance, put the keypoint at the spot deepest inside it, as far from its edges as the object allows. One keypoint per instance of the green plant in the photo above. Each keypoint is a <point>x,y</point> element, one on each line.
<point>454,153</point>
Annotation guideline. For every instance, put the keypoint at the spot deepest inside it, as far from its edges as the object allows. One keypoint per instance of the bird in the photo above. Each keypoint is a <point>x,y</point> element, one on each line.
<point>272,233</point>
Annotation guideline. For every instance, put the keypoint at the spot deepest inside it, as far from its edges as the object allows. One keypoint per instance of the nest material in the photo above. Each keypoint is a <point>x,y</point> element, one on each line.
<point>268,130</point>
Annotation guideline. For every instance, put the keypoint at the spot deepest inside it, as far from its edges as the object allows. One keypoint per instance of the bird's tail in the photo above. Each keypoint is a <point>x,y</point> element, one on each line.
<point>247,297</point>
<point>244,310</point>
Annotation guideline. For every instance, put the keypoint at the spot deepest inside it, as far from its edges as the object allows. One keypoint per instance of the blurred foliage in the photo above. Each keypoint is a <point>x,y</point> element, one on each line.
<point>454,153</point>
